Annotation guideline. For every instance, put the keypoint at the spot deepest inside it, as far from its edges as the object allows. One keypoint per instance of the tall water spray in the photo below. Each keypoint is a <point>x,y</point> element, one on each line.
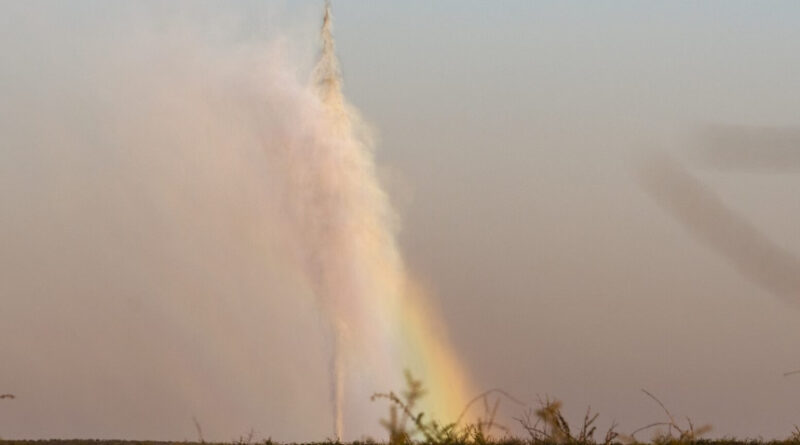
<point>378,323</point>
<point>327,80</point>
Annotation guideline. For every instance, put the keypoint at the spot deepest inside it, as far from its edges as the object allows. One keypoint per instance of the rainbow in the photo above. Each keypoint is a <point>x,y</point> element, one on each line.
<point>380,321</point>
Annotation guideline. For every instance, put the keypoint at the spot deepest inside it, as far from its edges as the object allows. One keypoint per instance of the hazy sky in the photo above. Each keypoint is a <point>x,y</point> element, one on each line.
<point>514,138</point>
<point>516,129</point>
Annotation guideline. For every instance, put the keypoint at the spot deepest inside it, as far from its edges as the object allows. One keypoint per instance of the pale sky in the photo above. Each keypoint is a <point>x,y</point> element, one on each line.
<point>512,137</point>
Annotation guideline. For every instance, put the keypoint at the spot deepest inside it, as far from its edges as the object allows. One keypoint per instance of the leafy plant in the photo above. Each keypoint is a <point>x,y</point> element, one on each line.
<point>794,438</point>
<point>403,423</point>
<point>548,425</point>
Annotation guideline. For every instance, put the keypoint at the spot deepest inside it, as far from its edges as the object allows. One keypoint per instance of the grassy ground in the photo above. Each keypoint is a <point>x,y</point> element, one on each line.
<point>544,425</point>
<point>501,442</point>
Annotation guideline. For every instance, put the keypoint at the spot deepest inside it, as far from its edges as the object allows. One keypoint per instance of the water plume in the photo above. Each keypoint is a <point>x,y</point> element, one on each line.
<point>709,219</point>
<point>346,231</point>
<point>751,148</point>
